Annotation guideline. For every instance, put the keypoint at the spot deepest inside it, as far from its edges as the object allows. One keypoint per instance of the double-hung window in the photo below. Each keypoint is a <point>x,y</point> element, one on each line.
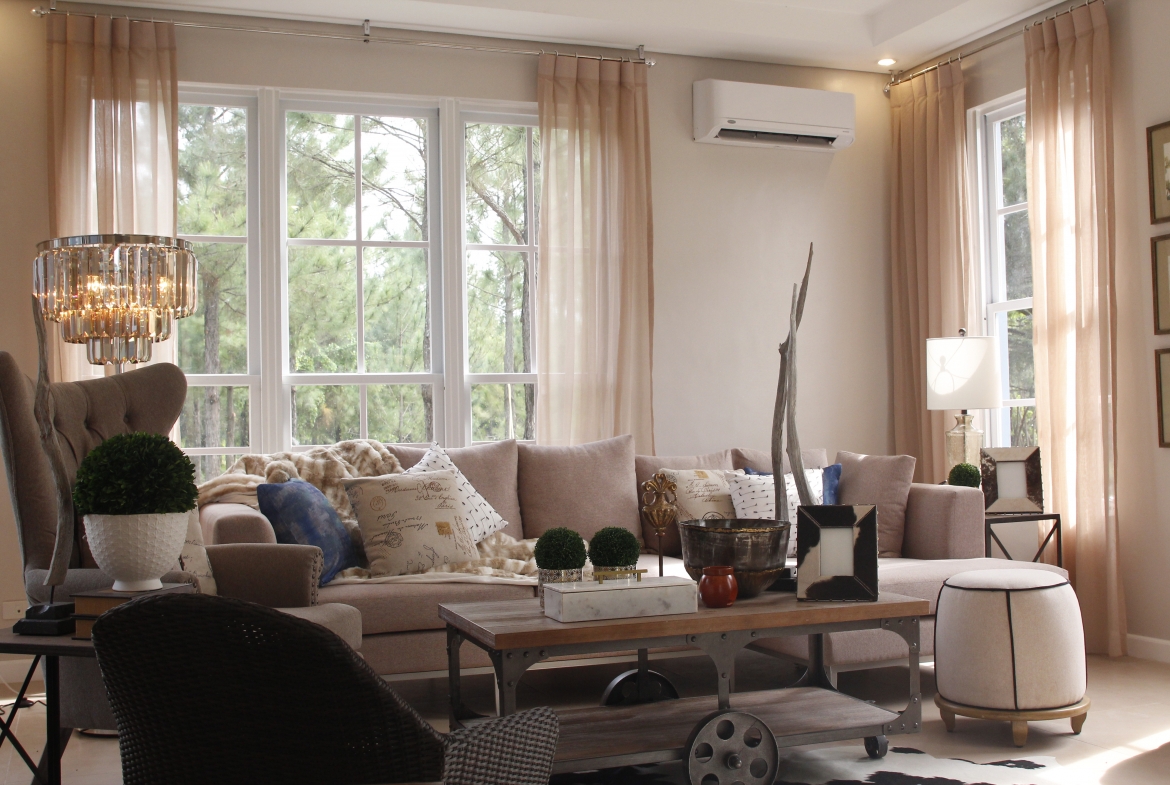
<point>1007,265</point>
<point>367,270</point>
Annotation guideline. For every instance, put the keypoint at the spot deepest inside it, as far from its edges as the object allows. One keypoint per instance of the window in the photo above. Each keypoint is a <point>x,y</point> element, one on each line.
<point>1007,266</point>
<point>395,265</point>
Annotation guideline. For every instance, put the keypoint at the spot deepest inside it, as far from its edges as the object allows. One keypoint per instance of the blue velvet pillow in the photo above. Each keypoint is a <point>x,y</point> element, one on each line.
<point>750,470</point>
<point>301,515</point>
<point>830,479</point>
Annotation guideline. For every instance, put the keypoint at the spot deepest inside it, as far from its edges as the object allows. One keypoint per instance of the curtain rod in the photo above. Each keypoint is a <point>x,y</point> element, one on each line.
<point>900,79</point>
<point>364,37</point>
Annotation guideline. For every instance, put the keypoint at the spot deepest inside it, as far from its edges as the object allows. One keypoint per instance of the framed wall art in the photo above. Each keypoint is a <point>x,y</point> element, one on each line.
<point>1160,251</point>
<point>1158,149</point>
<point>1012,480</point>
<point>836,552</point>
<point>1162,371</point>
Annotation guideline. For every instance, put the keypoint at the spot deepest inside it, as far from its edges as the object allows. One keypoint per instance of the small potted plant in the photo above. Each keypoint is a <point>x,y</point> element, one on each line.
<point>614,548</point>
<point>964,474</point>
<point>136,491</point>
<point>560,555</point>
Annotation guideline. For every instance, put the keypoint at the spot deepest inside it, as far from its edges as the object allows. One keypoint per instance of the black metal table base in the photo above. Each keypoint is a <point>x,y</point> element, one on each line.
<point>48,770</point>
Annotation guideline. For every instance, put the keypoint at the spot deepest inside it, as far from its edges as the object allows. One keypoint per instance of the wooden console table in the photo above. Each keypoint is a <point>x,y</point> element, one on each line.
<point>516,635</point>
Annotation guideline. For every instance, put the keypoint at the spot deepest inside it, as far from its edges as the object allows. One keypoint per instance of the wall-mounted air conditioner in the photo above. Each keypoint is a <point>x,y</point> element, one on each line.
<point>762,115</point>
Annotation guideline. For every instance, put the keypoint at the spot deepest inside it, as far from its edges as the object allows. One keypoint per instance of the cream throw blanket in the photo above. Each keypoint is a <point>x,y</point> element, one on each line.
<point>503,559</point>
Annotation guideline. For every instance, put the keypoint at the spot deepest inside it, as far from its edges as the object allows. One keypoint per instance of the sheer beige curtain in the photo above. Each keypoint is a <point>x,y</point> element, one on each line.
<point>933,277</point>
<point>1070,188</point>
<point>594,314</point>
<point>113,142</point>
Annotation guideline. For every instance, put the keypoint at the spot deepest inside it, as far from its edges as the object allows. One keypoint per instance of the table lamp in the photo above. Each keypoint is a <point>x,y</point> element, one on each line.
<point>963,373</point>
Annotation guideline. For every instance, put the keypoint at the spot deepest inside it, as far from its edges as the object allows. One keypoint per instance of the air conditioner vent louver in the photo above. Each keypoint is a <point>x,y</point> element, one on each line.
<point>773,139</point>
<point>761,115</point>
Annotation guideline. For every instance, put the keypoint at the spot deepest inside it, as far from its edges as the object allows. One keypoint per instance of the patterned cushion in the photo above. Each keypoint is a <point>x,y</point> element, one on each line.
<point>754,496</point>
<point>701,494</point>
<point>301,515</point>
<point>480,518</point>
<point>411,522</point>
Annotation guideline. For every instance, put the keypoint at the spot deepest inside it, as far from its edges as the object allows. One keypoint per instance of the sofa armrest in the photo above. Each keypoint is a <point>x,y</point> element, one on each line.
<point>279,576</point>
<point>224,524</point>
<point>943,522</point>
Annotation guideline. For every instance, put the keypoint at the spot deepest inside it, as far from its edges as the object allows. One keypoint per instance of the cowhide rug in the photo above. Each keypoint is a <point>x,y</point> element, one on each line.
<point>847,765</point>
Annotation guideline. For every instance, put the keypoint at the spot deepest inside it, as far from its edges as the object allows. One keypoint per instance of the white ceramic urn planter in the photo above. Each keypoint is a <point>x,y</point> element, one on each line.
<point>136,550</point>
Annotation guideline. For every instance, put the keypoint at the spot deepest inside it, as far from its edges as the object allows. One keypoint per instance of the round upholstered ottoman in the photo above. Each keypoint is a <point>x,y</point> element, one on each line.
<point>1008,645</point>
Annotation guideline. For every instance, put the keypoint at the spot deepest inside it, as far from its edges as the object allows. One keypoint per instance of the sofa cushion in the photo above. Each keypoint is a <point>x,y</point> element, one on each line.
<point>401,607</point>
<point>301,515</point>
<point>883,480</point>
<point>584,488</point>
<point>924,578</point>
<point>645,466</point>
<point>761,461</point>
<point>343,621</point>
<point>490,468</point>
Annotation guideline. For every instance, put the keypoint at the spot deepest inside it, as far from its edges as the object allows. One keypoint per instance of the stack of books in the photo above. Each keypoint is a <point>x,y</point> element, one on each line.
<point>88,605</point>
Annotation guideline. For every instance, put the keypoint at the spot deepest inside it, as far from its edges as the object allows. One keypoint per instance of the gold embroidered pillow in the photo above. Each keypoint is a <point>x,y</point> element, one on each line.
<point>410,523</point>
<point>702,493</point>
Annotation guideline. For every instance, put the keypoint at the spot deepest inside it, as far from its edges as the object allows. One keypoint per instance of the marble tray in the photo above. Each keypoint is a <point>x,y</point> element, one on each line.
<point>620,599</point>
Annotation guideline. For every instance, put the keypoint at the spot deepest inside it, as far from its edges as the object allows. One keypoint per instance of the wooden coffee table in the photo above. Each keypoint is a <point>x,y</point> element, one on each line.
<point>706,733</point>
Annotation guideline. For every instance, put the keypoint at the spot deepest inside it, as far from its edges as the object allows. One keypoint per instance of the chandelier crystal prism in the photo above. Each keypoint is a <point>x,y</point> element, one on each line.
<point>115,293</point>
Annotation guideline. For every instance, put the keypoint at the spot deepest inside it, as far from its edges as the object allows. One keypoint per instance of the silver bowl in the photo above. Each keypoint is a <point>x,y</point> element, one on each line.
<point>755,548</point>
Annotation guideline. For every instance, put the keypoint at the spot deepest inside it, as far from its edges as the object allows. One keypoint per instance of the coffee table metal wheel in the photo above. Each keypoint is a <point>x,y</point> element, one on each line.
<point>876,746</point>
<point>732,748</point>
<point>625,690</point>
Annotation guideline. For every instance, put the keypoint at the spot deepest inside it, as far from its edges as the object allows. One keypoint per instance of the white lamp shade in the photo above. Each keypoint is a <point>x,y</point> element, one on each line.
<point>963,373</point>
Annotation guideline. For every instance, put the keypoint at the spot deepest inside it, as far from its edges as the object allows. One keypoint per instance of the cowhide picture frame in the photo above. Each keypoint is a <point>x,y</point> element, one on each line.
<point>836,552</point>
<point>1012,481</point>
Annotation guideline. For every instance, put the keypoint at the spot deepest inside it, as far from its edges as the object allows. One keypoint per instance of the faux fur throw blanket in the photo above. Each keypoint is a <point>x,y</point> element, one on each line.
<point>503,559</point>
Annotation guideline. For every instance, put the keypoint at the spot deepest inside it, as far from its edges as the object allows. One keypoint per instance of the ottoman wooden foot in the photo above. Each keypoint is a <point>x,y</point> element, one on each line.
<point>1078,722</point>
<point>948,718</point>
<point>1020,732</point>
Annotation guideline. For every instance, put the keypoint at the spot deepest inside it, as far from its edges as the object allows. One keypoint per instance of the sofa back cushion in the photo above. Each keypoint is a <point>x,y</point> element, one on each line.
<point>761,461</point>
<point>883,480</point>
<point>490,468</point>
<point>584,488</point>
<point>644,468</point>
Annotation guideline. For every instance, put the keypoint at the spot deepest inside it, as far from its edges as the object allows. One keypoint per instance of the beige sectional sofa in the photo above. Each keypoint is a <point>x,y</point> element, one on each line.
<point>536,487</point>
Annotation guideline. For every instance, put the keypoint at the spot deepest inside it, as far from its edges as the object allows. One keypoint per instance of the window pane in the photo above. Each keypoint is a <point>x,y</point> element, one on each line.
<point>499,317</point>
<point>214,339</point>
<point>497,183</point>
<point>325,414</point>
<point>214,417</point>
<point>400,413</point>
<point>321,179</point>
<point>1012,160</point>
<point>1017,246</point>
<point>1021,368</point>
<point>322,309</point>
<point>394,178</point>
<point>213,170</point>
<point>503,411</point>
<point>208,467</point>
<point>1023,426</point>
<point>398,336</point>
<point>536,196</point>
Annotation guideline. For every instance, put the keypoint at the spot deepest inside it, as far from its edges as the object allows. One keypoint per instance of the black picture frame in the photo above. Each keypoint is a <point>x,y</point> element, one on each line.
<point>861,585</point>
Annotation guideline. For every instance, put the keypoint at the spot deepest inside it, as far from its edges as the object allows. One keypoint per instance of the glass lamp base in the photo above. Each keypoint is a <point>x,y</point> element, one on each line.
<point>963,443</point>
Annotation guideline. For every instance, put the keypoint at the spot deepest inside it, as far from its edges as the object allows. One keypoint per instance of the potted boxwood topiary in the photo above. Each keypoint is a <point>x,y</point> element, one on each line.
<point>560,555</point>
<point>136,491</point>
<point>614,548</point>
<point>964,474</point>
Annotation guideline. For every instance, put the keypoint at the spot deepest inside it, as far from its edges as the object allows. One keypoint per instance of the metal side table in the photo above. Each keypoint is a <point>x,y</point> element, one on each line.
<point>991,519</point>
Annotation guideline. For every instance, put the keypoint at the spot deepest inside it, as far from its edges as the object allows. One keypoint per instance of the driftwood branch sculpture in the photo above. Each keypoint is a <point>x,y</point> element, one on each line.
<point>784,415</point>
<point>43,409</point>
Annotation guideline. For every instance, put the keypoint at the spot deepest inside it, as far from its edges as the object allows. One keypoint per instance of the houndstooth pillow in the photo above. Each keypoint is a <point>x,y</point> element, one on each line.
<point>480,517</point>
<point>754,496</point>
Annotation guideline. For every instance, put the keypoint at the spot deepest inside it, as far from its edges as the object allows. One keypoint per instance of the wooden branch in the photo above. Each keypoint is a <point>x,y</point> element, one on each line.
<point>42,409</point>
<point>794,458</point>
<point>786,395</point>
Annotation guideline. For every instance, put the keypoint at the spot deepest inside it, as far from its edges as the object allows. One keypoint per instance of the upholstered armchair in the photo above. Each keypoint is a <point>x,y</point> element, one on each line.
<point>84,415</point>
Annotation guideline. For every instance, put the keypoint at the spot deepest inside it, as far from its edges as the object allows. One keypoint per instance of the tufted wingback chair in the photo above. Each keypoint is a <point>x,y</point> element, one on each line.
<point>84,415</point>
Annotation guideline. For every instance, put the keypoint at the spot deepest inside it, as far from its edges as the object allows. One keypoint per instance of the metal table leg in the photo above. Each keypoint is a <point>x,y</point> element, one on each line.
<point>6,726</point>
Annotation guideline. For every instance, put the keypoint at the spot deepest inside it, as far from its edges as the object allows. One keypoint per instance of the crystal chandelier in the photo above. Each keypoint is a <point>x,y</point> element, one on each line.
<point>115,293</point>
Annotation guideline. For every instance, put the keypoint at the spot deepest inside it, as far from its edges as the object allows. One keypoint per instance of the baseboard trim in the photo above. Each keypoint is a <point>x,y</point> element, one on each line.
<point>1146,648</point>
<point>14,670</point>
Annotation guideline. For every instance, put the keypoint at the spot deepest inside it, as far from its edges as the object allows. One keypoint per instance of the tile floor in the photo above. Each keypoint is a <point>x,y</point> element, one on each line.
<point>1126,740</point>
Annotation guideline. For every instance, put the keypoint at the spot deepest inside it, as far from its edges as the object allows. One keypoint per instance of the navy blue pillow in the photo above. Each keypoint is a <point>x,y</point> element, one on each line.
<point>301,515</point>
<point>830,479</point>
<point>750,470</point>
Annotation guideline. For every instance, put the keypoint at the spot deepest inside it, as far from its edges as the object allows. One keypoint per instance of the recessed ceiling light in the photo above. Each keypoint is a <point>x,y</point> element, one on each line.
<point>886,61</point>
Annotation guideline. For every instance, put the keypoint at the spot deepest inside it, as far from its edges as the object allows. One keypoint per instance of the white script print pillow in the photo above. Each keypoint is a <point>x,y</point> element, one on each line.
<point>754,496</point>
<point>480,517</point>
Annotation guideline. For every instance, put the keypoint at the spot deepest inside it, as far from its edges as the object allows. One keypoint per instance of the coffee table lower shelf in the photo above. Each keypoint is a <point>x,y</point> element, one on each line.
<point>607,737</point>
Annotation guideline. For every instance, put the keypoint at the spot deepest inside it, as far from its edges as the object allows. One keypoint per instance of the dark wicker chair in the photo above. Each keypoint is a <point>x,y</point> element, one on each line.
<point>214,690</point>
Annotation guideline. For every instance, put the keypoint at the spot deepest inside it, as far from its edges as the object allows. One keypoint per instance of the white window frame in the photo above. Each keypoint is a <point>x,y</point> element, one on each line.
<point>986,165</point>
<point>269,376</point>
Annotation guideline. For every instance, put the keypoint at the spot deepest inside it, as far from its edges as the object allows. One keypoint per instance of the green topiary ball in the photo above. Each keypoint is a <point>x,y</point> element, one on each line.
<point>964,474</point>
<point>135,474</point>
<point>614,546</point>
<point>560,549</point>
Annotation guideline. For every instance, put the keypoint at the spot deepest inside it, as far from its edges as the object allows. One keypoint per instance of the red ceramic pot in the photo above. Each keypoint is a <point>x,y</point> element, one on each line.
<point>717,587</point>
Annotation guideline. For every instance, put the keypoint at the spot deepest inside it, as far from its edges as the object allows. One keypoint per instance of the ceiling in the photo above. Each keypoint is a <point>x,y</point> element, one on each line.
<point>852,34</point>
